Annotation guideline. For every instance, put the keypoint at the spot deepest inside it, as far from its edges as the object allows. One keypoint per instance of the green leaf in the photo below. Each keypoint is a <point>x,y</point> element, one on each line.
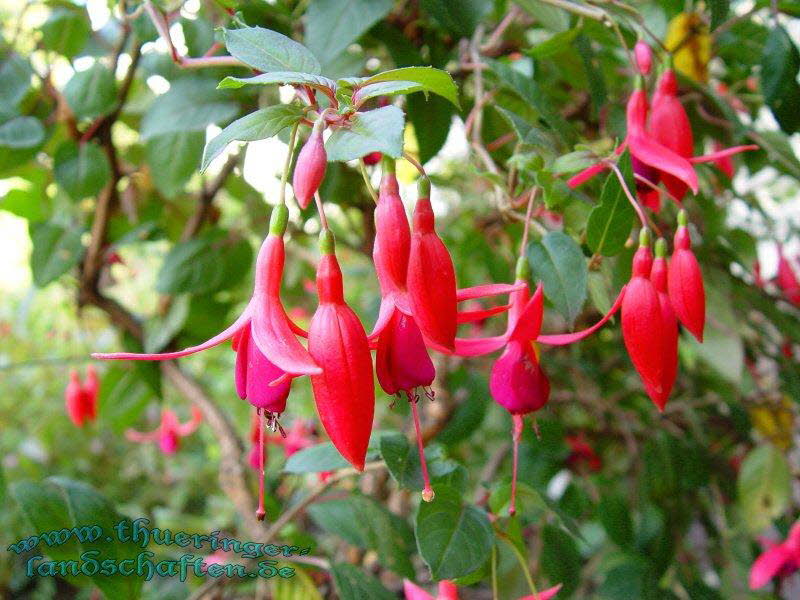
<point>160,330</point>
<point>719,12</point>
<point>55,251</point>
<point>553,18</point>
<point>173,158</point>
<point>431,80</point>
<point>594,74</point>
<point>779,66</point>
<point>527,89</point>
<point>556,44</point>
<point>459,18</point>
<point>15,73</point>
<point>59,503</point>
<point>379,130</point>
<point>363,522</point>
<point>269,51</point>
<point>279,77</point>
<point>611,221</point>
<point>402,460</point>
<point>258,125</point>
<point>332,25</point>
<point>66,30</point>
<point>204,264</point>
<point>92,92</point>
<point>453,538</point>
<point>557,261</point>
<point>631,580</point>
<point>191,104</point>
<point>82,170</point>
<point>21,132</point>
<point>528,134</point>
<point>353,584</point>
<point>431,118</point>
<point>560,559</point>
<point>325,457</point>
<point>764,486</point>
<point>615,515</point>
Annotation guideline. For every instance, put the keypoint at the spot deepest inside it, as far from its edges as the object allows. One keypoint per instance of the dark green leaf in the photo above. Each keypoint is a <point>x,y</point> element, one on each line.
<point>160,330</point>
<point>560,559</point>
<point>779,66</point>
<point>615,515</point>
<point>453,538</point>
<point>431,118</point>
<point>92,92</point>
<point>325,457</point>
<point>353,584</point>
<point>66,30</point>
<point>719,12</point>
<point>557,43</point>
<point>203,264</point>
<point>81,169</point>
<point>379,130</point>
<point>173,158</point>
<point>591,64</point>
<point>258,125</point>
<point>269,51</point>
<point>611,221</point>
<point>332,25</point>
<point>557,261</point>
<point>55,251</point>
<point>15,73</point>
<point>459,18</point>
<point>279,77</point>
<point>402,460</point>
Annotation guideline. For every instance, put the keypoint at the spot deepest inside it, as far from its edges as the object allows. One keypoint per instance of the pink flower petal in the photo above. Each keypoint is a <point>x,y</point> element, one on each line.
<point>570,338</point>
<point>722,153</point>
<point>489,289</point>
<point>655,155</point>
<point>768,564</point>
<point>470,316</point>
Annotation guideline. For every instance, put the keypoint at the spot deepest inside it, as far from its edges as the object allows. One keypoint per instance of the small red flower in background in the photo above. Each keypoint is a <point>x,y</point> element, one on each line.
<point>778,559</point>
<point>80,399</point>
<point>582,454</point>
<point>169,432</point>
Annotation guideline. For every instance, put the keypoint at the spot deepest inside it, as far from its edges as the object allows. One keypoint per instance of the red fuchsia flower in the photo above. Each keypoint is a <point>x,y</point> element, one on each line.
<point>309,170</point>
<point>401,361</point>
<point>431,277</point>
<point>686,290</point>
<point>517,381</point>
<point>344,391</point>
<point>644,57</point>
<point>264,323</point>
<point>169,432</point>
<point>725,163</point>
<point>80,400</point>
<point>642,322</point>
<point>581,453</point>
<point>778,559</point>
<point>449,591</point>
<point>669,338</point>
<point>787,279</point>
<point>373,158</point>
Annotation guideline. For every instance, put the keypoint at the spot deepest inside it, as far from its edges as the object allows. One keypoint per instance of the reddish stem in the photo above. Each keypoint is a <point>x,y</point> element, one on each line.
<point>260,512</point>
<point>516,434</point>
<point>427,490</point>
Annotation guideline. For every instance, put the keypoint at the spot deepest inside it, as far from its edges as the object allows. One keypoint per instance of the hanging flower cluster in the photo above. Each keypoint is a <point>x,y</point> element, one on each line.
<point>169,432</point>
<point>448,591</point>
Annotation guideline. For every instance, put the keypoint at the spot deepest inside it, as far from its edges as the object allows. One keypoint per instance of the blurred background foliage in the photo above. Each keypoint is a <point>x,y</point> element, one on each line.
<point>618,501</point>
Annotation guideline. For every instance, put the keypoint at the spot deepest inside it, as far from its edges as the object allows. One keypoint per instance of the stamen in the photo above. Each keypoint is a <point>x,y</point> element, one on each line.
<point>260,512</point>
<point>427,490</point>
<point>536,429</point>
<point>516,434</point>
<point>429,393</point>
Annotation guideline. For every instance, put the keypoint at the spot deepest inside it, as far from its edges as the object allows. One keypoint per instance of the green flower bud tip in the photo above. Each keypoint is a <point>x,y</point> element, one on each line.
<point>644,237</point>
<point>661,248</point>
<point>523,270</point>
<point>683,218</point>
<point>278,220</point>
<point>388,164</point>
<point>327,242</point>
<point>424,187</point>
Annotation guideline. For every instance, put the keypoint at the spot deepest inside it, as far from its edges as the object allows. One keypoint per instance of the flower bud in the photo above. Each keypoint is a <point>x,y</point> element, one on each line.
<point>310,168</point>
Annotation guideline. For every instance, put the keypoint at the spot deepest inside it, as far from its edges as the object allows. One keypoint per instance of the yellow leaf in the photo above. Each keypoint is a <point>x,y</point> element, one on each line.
<point>690,43</point>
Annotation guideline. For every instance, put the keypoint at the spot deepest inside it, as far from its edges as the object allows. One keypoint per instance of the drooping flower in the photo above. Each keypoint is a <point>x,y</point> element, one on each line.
<point>80,399</point>
<point>642,321</point>
<point>581,453</point>
<point>344,391</point>
<point>309,170</point>
<point>778,559</point>
<point>265,318</point>
<point>517,381</point>
<point>787,279</point>
<point>669,337</point>
<point>169,432</point>
<point>431,276</point>
<point>686,290</point>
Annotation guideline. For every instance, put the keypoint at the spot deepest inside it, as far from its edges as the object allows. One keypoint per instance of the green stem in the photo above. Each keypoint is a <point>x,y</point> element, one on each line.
<point>494,572</point>
<point>521,560</point>
<point>416,163</point>
<point>363,168</point>
<point>288,164</point>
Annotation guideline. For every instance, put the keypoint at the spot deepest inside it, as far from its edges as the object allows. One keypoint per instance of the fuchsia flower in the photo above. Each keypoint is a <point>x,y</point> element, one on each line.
<point>344,391</point>
<point>80,400</point>
<point>309,170</point>
<point>582,453</point>
<point>662,151</point>
<point>787,279</point>
<point>669,338</point>
<point>169,432</point>
<point>449,591</point>
<point>686,290</point>
<point>778,559</point>
<point>517,381</point>
<point>644,57</point>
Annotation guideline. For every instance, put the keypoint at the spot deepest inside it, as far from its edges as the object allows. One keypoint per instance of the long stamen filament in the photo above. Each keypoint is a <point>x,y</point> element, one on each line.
<point>260,512</point>
<point>288,164</point>
<point>516,434</point>
<point>427,490</point>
